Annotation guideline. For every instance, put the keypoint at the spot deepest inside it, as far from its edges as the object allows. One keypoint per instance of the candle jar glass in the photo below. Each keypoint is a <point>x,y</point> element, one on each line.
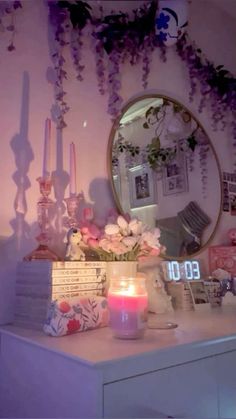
<point>128,301</point>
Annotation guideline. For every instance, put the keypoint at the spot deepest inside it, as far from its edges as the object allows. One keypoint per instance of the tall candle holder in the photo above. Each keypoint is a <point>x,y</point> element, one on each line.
<point>43,206</point>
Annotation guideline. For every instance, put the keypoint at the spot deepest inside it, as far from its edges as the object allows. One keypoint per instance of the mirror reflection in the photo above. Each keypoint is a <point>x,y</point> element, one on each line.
<point>164,170</point>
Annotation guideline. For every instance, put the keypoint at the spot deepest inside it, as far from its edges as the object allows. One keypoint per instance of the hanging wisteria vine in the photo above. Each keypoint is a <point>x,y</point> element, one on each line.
<point>119,37</point>
<point>7,20</point>
<point>217,85</point>
<point>115,37</point>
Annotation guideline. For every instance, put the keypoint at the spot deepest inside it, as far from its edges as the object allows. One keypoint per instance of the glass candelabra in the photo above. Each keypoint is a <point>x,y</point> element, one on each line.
<point>43,207</point>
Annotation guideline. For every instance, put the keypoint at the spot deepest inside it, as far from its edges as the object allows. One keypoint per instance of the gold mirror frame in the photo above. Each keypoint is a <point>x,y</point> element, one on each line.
<point>110,174</point>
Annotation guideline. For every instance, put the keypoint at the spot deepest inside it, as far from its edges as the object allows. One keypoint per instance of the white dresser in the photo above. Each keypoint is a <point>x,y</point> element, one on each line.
<point>188,372</point>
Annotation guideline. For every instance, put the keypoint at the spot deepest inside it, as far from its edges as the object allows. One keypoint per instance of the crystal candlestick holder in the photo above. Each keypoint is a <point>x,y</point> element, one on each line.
<point>43,207</point>
<point>72,204</point>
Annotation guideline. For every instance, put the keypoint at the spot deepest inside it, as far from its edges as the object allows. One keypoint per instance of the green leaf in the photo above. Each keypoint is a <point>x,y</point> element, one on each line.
<point>222,73</point>
<point>156,144</point>
<point>192,142</point>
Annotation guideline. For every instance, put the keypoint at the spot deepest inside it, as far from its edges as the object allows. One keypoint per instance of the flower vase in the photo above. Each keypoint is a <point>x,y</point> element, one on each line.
<point>116,269</point>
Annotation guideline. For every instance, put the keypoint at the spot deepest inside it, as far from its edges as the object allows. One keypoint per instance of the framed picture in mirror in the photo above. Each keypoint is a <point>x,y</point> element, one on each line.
<point>175,178</point>
<point>142,187</point>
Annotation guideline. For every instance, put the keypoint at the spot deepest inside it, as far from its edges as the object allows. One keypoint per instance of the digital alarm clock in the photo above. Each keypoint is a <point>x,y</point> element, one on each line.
<point>186,271</point>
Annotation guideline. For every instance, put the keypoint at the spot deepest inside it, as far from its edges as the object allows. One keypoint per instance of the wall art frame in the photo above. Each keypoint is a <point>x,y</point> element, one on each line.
<point>142,186</point>
<point>174,176</point>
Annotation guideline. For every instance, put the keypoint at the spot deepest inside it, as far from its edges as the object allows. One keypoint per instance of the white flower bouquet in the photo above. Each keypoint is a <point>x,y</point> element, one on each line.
<point>126,240</point>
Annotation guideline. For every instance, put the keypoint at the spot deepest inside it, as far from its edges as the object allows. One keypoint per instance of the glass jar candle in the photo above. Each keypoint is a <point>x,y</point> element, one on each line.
<point>127,302</point>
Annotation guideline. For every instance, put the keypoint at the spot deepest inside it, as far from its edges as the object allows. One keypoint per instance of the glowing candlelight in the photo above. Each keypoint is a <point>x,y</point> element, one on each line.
<point>127,301</point>
<point>72,170</point>
<point>47,150</point>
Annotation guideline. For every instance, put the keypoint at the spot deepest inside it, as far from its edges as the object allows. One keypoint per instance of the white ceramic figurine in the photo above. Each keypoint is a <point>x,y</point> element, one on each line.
<point>73,250</point>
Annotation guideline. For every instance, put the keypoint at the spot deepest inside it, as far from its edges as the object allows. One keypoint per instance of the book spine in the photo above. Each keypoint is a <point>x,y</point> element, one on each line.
<point>56,288</point>
<point>65,296</point>
<point>78,272</point>
<point>78,265</point>
<point>44,275</point>
<point>60,280</point>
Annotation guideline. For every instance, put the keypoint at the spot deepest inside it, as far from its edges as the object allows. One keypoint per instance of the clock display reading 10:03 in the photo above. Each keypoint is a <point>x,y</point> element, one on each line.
<point>187,270</point>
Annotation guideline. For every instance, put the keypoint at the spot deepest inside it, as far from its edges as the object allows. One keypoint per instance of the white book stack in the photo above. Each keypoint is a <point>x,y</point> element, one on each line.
<point>181,295</point>
<point>39,282</point>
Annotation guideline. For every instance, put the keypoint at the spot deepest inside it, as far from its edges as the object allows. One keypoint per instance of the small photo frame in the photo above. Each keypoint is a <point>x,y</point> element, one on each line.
<point>142,186</point>
<point>199,295</point>
<point>175,179</point>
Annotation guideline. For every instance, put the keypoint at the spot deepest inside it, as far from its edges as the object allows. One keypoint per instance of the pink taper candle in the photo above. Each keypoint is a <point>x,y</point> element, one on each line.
<point>47,150</point>
<point>72,170</point>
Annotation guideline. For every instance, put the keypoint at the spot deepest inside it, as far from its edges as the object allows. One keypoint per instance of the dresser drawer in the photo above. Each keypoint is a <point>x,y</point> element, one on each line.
<point>188,390</point>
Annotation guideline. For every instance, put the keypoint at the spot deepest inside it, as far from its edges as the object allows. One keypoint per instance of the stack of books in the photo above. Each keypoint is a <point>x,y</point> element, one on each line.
<point>39,282</point>
<point>181,295</point>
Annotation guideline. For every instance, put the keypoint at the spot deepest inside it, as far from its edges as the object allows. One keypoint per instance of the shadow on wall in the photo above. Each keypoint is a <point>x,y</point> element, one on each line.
<point>98,189</point>
<point>23,154</point>
<point>13,248</point>
<point>60,180</point>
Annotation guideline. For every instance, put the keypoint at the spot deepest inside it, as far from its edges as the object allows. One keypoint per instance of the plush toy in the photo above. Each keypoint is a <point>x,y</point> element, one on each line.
<point>73,250</point>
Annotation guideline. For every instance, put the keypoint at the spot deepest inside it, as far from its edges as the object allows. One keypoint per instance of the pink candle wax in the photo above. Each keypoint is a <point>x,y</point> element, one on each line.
<point>128,314</point>
<point>73,188</point>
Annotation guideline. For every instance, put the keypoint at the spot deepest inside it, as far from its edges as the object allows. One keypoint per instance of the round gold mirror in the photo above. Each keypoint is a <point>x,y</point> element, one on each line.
<point>164,171</point>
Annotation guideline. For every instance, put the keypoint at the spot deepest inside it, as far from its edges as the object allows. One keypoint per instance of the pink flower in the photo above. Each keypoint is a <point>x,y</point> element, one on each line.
<point>112,216</point>
<point>64,307</point>
<point>93,243</point>
<point>94,231</point>
<point>151,238</point>
<point>73,325</point>
<point>118,248</point>
<point>112,229</point>
<point>105,244</point>
<point>130,242</point>
<point>88,213</point>
<point>136,227</point>
<point>115,237</point>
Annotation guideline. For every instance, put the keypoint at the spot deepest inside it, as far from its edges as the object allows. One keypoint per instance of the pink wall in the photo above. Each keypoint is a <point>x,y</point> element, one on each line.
<point>214,31</point>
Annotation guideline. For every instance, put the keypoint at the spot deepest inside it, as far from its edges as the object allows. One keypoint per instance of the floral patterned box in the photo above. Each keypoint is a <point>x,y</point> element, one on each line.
<point>76,314</point>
